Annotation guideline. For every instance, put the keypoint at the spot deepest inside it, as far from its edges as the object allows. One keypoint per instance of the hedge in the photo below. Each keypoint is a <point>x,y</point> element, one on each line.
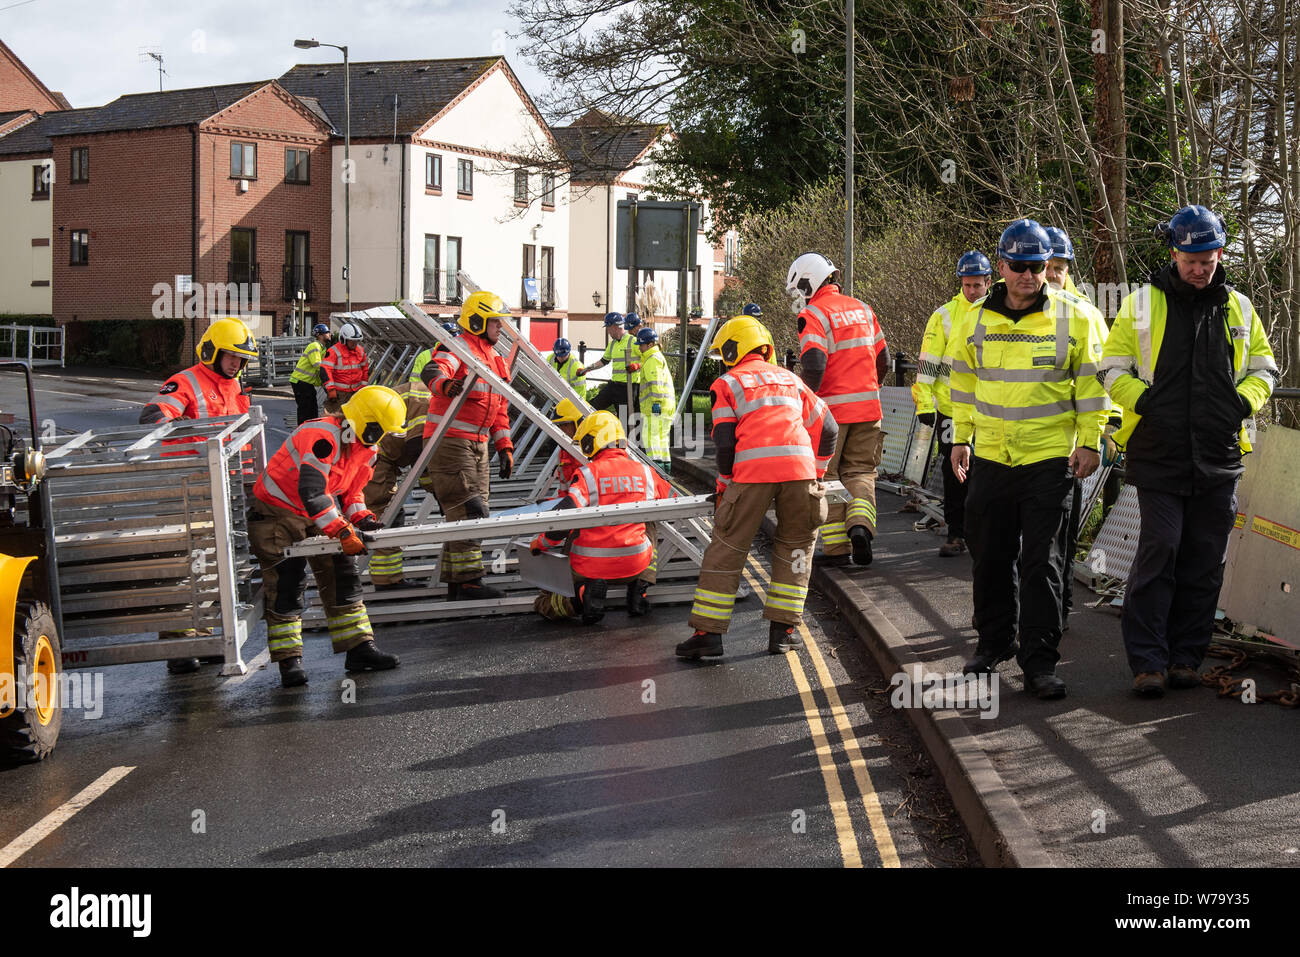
<point>133,343</point>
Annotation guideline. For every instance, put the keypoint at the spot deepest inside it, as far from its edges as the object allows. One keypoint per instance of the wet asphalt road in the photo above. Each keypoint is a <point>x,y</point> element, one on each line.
<point>497,742</point>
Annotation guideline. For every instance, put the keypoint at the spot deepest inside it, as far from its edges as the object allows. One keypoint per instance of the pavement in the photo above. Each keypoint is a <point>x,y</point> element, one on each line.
<point>1100,778</point>
<point>496,743</point>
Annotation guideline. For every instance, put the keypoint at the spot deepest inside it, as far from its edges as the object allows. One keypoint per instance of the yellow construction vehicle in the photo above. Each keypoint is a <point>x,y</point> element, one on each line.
<point>30,656</point>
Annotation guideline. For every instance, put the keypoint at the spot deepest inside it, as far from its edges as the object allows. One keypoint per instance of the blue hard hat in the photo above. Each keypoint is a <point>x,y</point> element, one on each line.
<point>613,319</point>
<point>320,329</point>
<point>631,321</point>
<point>1195,229</point>
<point>452,328</point>
<point>562,348</point>
<point>753,309</point>
<point>1062,248</point>
<point>1025,241</point>
<point>646,336</point>
<point>974,263</point>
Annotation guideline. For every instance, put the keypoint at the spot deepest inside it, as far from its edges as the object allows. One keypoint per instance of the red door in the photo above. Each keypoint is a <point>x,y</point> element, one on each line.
<point>542,333</point>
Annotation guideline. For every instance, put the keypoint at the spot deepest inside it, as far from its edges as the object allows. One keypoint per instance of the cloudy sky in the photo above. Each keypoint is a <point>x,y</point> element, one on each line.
<point>90,50</point>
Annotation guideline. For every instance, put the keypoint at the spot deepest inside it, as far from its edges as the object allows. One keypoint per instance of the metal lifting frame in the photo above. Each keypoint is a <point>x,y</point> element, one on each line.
<point>140,526</point>
<point>682,523</point>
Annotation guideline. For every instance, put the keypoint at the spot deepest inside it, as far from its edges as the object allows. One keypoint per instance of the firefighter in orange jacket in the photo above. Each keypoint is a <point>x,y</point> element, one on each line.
<point>208,389</point>
<point>567,416</point>
<point>844,360</point>
<point>458,468</point>
<point>774,437</point>
<point>608,554</point>
<point>211,387</point>
<point>345,368</point>
<point>325,462</point>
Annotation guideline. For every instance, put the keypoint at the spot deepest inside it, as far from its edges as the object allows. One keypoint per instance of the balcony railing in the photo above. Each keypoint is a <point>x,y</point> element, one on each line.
<point>545,295</point>
<point>431,277</point>
<point>453,292</point>
<point>243,273</point>
<point>297,276</point>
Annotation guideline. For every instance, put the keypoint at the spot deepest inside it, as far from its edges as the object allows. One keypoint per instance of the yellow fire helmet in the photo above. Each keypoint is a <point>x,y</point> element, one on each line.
<point>567,411</point>
<point>228,335</point>
<point>479,308</point>
<point>375,411</point>
<point>738,337</point>
<point>599,431</point>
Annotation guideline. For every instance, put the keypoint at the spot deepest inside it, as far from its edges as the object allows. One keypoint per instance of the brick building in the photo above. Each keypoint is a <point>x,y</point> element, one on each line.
<point>21,89</point>
<point>213,194</point>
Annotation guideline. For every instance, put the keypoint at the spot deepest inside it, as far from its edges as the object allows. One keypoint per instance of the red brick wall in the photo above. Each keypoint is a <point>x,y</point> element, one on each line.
<point>271,206</point>
<point>18,92</point>
<point>137,206</point>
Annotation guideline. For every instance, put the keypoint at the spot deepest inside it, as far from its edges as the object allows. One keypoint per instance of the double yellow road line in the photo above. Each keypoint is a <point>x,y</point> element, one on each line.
<point>844,829</point>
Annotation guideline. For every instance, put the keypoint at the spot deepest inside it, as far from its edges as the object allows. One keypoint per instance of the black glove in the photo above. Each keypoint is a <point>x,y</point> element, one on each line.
<point>369,524</point>
<point>926,418</point>
<point>507,463</point>
<point>453,388</point>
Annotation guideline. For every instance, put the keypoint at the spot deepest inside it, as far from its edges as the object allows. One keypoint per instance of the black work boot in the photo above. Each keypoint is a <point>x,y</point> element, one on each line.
<point>782,638</point>
<point>637,603</point>
<point>366,657</point>
<point>985,662</point>
<point>860,539</point>
<point>291,673</point>
<point>1045,686</point>
<point>182,666</point>
<point>472,591</point>
<point>593,601</point>
<point>702,644</point>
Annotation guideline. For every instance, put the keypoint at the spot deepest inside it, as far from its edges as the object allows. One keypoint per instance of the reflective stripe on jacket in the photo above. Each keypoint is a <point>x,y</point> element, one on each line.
<point>1027,389</point>
<point>345,466</point>
<point>345,369</point>
<point>778,422</point>
<point>568,370</point>
<point>656,384</point>
<point>484,415</point>
<point>405,449</point>
<point>931,391</point>
<point>308,368</point>
<point>849,333</point>
<point>421,361</point>
<point>196,393</point>
<point>616,356</point>
<point>614,551</point>
<point>1129,360</point>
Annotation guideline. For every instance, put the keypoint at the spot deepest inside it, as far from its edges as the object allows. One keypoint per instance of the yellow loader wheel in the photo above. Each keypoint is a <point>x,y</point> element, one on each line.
<point>28,732</point>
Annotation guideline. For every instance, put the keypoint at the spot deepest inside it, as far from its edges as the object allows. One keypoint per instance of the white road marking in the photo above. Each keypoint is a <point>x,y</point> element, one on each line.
<point>46,826</point>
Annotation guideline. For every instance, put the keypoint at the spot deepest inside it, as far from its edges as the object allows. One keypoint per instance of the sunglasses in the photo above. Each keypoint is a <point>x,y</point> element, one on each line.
<point>1018,267</point>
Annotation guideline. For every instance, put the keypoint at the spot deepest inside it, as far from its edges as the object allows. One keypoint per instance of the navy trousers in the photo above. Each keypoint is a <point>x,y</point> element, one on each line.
<point>1173,586</point>
<point>1013,529</point>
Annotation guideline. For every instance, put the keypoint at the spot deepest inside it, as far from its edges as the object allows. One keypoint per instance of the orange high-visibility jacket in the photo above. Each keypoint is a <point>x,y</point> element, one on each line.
<point>199,393</point>
<point>313,469</point>
<point>485,414</point>
<point>614,551</point>
<point>778,421</point>
<point>345,369</point>
<point>195,393</point>
<point>849,333</point>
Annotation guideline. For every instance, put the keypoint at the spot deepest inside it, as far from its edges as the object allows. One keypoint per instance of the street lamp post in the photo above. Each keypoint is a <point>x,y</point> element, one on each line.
<point>347,163</point>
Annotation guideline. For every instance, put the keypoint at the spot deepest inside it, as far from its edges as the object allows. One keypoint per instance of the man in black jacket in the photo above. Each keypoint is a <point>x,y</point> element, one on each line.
<point>1189,362</point>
